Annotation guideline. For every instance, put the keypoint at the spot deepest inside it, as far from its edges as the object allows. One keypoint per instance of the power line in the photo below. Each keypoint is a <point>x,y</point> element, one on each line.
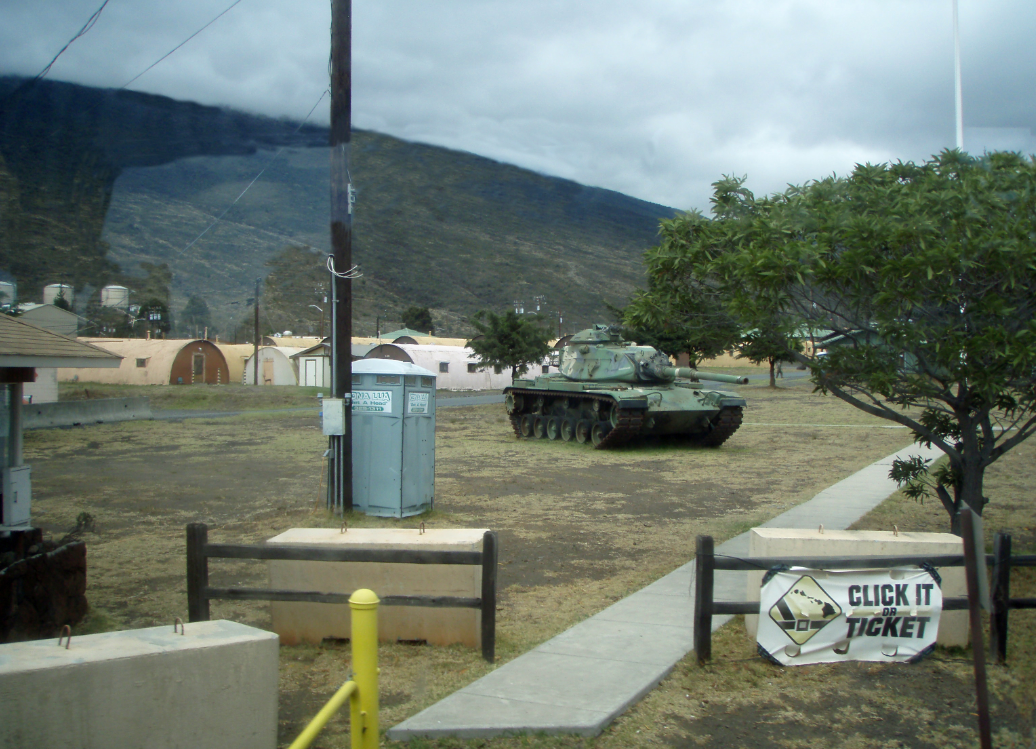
<point>25,85</point>
<point>220,217</point>
<point>86,27</point>
<point>127,83</point>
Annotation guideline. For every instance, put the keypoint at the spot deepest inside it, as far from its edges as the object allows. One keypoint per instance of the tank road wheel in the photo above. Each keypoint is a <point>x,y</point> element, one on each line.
<point>539,427</point>
<point>600,432</point>
<point>584,427</point>
<point>526,425</point>
<point>568,430</point>
<point>614,415</point>
<point>513,402</point>
<point>553,428</point>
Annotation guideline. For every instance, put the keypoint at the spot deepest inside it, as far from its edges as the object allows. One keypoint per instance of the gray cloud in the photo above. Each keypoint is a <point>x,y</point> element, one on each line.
<point>655,99</point>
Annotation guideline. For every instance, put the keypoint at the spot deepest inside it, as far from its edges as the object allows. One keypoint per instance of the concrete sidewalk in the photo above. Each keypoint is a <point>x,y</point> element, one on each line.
<point>584,678</point>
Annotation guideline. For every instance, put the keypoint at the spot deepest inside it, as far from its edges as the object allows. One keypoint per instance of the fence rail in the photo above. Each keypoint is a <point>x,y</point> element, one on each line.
<point>199,593</point>
<point>705,606</point>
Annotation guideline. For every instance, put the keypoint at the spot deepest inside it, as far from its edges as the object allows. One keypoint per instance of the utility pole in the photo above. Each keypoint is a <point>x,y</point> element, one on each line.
<point>255,347</point>
<point>958,99</point>
<point>341,481</point>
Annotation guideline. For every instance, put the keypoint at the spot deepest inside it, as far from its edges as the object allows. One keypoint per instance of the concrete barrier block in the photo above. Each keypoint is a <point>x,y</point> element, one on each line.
<point>89,411</point>
<point>312,622</point>
<point>214,686</point>
<point>800,542</point>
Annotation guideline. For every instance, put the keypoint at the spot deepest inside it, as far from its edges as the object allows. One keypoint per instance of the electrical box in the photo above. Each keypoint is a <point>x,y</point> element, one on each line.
<point>334,417</point>
<point>17,501</point>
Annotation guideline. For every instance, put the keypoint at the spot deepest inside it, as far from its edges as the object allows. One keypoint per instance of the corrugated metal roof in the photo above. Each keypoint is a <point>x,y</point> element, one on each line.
<point>158,354</point>
<point>21,341</point>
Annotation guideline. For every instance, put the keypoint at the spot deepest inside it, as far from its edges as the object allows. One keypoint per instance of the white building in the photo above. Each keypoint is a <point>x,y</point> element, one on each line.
<point>455,367</point>
<point>276,367</point>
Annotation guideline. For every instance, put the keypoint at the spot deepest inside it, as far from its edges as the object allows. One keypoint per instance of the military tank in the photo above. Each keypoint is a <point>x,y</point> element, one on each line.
<point>607,392</point>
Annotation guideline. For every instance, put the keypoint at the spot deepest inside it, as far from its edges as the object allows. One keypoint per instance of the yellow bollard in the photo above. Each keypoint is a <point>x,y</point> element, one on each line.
<point>363,713</point>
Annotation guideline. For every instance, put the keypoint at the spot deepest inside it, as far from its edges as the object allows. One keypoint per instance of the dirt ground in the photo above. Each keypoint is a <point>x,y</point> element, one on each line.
<point>578,530</point>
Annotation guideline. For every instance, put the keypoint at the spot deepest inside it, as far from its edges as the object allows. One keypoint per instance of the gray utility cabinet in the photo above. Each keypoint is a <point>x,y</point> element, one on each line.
<point>393,424</point>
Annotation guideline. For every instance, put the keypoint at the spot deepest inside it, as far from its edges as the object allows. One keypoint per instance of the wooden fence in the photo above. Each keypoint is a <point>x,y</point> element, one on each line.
<point>1000,592</point>
<point>199,593</point>
<point>705,607</point>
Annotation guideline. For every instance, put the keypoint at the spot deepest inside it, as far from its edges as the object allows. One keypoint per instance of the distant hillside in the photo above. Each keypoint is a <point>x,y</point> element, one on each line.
<point>93,181</point>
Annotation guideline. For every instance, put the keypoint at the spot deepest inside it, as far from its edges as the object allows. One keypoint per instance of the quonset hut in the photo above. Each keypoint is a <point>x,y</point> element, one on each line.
<point>156,362</point>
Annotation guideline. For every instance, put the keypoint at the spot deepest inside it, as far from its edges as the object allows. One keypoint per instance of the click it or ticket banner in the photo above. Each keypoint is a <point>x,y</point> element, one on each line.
<point>823,616</point>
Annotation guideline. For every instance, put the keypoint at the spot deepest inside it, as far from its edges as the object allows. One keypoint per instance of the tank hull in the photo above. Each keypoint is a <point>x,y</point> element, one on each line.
<point>609,414</point>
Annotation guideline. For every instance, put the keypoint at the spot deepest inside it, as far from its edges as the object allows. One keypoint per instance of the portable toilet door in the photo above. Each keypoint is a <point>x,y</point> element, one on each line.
<point>393,438</point>
<point>418,473</point>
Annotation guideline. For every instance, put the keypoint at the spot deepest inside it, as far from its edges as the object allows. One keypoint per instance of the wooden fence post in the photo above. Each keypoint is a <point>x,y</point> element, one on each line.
<point>489,559</point>
<point>1001,596</point>
<point>704,570</point>
<point>197,572</point>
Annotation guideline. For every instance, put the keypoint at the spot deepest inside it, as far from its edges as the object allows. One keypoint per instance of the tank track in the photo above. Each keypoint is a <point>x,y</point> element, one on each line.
<point>516,425</point>
<point>726,423</point>
<point>630,420</point>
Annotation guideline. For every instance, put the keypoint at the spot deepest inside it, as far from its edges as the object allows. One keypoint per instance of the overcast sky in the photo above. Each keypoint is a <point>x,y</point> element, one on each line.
<point>656,98</point>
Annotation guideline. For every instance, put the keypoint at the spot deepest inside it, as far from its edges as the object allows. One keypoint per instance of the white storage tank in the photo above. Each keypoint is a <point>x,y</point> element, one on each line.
<point>115,296</point>
<point>54,290</point>
<point>8,292</point>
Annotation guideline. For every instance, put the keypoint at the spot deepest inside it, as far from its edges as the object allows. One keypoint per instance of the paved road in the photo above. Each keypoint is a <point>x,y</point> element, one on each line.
<point>441,402</point>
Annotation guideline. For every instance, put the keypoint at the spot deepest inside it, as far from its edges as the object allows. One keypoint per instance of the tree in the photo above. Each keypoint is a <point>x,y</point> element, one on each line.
<point>510,340</point>
<point>769,344</point>
<point>153,316</point>
<point>61,301</point>
<point>419,318</point>
<point>195,316</point>
<point>928,275</point>
<point>682,311</point>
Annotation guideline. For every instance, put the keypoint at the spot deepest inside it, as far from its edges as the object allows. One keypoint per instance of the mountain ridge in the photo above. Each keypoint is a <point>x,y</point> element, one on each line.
<point>446,229</point>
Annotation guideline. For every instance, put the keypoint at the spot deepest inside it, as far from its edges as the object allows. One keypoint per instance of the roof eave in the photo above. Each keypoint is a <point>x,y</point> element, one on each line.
<point>47,362</point>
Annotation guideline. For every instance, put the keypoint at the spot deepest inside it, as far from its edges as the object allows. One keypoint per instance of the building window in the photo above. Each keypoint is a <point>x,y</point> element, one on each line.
<point>472,367</point>
<point>498,369</point>
<point>444,366</point>
<point>141,363</point>
<point>546,369</point>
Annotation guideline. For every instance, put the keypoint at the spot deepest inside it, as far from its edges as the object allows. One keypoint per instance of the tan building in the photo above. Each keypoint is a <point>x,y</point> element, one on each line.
<point>236,355</point>
<point>160,361</point>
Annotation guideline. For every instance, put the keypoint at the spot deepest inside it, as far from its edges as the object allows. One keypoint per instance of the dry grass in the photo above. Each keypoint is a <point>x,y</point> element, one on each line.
<point>579,529</point>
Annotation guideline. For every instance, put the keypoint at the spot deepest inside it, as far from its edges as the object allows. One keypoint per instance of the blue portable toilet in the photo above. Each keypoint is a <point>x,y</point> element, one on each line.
<point>393,425</point>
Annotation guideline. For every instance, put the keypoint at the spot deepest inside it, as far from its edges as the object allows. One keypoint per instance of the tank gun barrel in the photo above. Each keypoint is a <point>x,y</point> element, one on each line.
<point>694,374</point>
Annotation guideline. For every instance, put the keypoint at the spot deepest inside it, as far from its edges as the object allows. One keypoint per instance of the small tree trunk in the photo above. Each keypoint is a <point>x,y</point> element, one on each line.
<point>773,380</point>
<point>952,507</point>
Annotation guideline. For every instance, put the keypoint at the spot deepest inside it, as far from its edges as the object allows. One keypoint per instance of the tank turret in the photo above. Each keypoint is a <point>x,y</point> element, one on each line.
<point>608,391</point>
<point>600,355</point>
